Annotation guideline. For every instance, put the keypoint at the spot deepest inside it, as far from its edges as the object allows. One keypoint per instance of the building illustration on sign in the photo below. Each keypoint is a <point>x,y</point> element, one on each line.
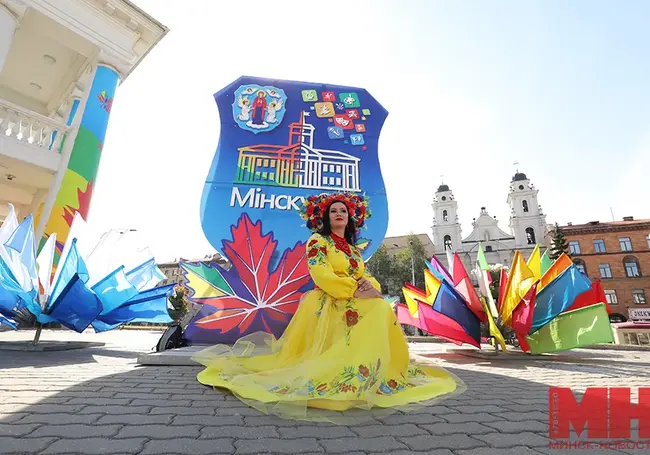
<point>298,164</point>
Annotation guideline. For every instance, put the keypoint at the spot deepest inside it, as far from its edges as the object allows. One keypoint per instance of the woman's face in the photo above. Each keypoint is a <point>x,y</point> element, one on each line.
<point>338,215</point>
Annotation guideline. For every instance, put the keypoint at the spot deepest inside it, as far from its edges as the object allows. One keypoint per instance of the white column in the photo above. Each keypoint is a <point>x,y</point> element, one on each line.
<point>8,26</point>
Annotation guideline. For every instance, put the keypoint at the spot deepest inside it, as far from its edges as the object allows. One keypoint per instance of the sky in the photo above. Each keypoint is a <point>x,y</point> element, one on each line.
<point>471,87</point>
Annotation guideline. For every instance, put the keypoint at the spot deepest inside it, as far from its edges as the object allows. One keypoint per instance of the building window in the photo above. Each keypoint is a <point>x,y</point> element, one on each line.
<point>488,249</point>
<point>632,269</point>
<point>599,246</point>
<point>447,242</point>
<point>486,236</point>
<point>444,216</point>
<point>626,244</point>
<point>605,271</point>
<point>574,247</point>
<point>611,297</point>
<point>580,265</point>
<point>524,204</point>
<point>647,237</point>
<point>530,236</point>
<point>638,296</point>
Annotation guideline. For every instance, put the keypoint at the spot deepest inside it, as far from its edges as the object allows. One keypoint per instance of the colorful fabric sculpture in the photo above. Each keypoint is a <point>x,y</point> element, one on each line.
<point>84,290</point>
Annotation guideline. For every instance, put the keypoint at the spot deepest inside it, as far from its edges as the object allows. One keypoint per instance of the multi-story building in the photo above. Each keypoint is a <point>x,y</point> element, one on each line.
<point>527,226</point>
<point>395,245</point>
<point>174,273</point>
<point>60,63</point>
<point>618,253</point>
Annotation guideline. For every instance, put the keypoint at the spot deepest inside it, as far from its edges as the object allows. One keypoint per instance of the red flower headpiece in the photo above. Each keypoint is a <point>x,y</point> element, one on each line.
<point>316,206</point>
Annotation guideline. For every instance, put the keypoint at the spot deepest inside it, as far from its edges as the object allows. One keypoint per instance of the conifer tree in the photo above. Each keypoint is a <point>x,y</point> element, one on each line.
<point>559,244</point>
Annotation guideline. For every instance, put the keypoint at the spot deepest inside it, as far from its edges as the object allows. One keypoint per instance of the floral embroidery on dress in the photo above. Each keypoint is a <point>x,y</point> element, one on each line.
<point>352,318</point>
<point>416,372</point>
<point>352,379</point>
<point>354,266</point>
<point>316,255</point>
<point>323,299</point>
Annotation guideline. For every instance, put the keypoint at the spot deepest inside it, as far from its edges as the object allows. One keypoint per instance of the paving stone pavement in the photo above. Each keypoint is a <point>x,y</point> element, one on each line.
<point>98,400</point>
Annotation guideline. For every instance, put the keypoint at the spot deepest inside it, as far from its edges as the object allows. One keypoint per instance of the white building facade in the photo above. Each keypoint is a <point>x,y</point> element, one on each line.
<point>60,62</point>
<point>527,226</point>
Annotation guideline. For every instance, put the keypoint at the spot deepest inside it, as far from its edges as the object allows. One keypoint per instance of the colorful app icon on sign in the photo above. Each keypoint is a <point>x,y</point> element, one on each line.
<point>360,128</point>
<point>335,132</point>
<point>350,99</point>
<point>353,114</point>
<point>366,112</point>
<point>324,110</point>
<point>343,121</point>
<point>329,96</point>
<point>357,139</point>
<point>340,108</point>
<point>309,96</point>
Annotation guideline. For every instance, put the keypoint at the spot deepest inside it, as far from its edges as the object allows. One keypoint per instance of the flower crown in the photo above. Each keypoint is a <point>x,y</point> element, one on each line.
<point>314,208</point>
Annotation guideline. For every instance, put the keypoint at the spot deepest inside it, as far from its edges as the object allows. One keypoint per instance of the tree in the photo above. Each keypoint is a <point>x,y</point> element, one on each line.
<point>403,268</point>
<point>559,244</point>
<point>179,302</point>
<point>393,271</point>
<point>380,265</point>
<point>495,275</point>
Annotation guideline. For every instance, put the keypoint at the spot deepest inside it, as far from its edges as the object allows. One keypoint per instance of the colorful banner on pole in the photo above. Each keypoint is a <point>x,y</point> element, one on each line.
<point>77,186</point>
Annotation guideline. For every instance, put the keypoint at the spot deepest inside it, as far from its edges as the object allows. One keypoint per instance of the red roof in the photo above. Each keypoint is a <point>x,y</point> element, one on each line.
<point>606,226</point>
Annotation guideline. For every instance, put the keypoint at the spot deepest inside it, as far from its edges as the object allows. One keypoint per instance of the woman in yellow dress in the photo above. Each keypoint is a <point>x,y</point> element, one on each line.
<point>343,349</point>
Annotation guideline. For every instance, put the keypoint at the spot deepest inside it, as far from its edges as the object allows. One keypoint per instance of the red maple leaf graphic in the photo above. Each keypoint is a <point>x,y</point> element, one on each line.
<point>83,201</point>
<point>255,293</point>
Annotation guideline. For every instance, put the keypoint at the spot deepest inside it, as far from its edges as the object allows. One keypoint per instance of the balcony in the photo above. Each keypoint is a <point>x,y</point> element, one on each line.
<point>31,137</point>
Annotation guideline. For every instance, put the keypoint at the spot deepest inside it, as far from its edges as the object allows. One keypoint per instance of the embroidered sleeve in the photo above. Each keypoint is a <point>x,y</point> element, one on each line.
<point>322,272</point>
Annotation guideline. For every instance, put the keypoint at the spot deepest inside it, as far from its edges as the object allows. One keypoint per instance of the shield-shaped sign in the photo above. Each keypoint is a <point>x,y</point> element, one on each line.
<point>280,142</point>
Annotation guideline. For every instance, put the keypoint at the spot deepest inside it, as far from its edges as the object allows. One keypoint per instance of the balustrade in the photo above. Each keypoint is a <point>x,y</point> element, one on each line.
<point>30,127</point>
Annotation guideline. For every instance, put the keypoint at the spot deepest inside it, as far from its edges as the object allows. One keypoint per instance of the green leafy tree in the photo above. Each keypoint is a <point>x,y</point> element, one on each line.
<point>495,287</point>
<point>380,265</point>
<point>559,244</point>
<point>179,303</point>
<point>393,271</point>
<point>404,268</point>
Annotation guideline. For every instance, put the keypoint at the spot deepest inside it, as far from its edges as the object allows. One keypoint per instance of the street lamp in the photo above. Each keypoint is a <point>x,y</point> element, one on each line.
<point>412,263</point>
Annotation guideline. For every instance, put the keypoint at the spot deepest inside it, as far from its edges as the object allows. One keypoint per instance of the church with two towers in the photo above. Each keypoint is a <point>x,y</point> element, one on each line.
<point>527,226</point>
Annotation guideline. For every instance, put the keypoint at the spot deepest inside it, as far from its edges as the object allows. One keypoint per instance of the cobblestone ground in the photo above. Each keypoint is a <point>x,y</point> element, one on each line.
<point>98,400</point>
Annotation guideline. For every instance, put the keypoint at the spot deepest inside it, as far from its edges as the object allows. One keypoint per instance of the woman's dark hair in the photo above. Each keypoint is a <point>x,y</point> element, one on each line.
<point>350,229</point>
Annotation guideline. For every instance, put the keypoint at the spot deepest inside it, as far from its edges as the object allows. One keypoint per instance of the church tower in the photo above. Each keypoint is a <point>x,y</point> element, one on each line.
<point>527,221</point>
<point>446,226</point>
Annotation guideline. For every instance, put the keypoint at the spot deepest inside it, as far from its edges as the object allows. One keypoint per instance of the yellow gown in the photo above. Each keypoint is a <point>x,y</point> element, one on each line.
<point>338,353</point>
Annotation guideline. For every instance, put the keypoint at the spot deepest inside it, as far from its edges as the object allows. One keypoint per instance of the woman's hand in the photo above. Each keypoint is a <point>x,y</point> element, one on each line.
<point>371,293</point>
<point>364,284</point>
